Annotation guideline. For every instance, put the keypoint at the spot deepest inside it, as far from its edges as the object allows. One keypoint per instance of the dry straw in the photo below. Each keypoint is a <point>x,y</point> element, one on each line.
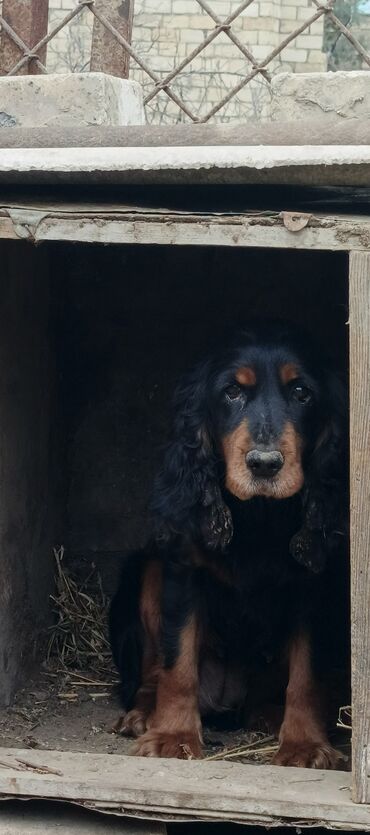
<point>79,638</point>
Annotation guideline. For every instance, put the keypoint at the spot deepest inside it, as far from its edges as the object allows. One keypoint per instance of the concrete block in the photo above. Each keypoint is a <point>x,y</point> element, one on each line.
<point>193,36</point>
<point>322,95</point>
<point>268,38</point>
<point>290,12</point>
<point>309,41</point>
<point>182,7</point>
<point>70,99</point>
<point>251,11</point>
<point>290,53</point>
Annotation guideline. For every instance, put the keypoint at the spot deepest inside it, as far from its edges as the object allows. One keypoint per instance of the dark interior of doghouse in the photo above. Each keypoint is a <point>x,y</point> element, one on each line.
<point>93,340</point>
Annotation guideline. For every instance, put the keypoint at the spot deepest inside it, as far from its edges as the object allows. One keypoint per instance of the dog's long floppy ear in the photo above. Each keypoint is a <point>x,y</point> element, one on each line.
<point>325,495</point>
<point>187,500</point>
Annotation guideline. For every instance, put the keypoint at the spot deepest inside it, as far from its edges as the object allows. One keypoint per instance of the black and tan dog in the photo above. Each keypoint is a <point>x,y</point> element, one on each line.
<point>232,596</point>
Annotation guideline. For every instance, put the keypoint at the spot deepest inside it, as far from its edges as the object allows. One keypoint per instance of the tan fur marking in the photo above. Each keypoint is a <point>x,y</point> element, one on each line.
<point>239,479</point>
<point>291,475</point>
<point>246,376</point>
<point>235,447</point>
<point>134,723</point>
<point>288,372</point>
<point>174,728</point>
<point>303,740</point>
<point>150,598</point>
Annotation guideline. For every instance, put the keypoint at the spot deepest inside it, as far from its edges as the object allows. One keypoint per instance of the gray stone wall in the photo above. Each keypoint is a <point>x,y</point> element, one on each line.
<point>167,31</point>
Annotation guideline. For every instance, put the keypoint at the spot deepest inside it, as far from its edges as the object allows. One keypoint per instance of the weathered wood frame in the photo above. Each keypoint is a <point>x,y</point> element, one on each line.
<point>226,790</point>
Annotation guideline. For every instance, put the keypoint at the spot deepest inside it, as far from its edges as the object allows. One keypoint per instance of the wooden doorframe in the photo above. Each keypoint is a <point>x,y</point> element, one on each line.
<point>359,355</point>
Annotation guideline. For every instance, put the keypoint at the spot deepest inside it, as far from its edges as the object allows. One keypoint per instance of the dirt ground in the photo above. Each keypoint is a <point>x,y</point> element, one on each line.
<point>57,711</point>
<point>65,707</point>
<point>54,713</point>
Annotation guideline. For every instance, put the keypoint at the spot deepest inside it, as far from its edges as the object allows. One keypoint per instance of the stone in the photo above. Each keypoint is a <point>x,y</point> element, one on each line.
<point>69,99</point>
<point>325,95</point>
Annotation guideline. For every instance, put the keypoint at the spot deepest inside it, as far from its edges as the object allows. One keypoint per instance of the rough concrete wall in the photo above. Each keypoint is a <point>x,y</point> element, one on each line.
<point>134,319</point>
<point>26,489</point>
<point>167,31</point>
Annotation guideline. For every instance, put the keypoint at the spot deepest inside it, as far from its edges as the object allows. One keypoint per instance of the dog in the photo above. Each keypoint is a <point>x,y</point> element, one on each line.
<point>230,601</point>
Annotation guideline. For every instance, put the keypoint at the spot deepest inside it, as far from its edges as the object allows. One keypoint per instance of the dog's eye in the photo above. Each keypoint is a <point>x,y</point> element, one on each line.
<point>233,392</point>
<point>301,394</point>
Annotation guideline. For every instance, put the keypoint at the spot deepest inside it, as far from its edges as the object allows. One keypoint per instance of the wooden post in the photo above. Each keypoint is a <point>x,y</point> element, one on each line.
<point>107,55</point>
<point>29,19</point>
<point>359,305</point>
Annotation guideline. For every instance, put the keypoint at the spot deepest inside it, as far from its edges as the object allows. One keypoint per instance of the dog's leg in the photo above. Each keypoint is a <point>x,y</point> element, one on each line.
<point>174,729</point>
<point>303,739</point>
<point>134,722</point>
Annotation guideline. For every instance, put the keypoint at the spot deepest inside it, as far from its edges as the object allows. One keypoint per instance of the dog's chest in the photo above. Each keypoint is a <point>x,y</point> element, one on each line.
<point>253,593</point>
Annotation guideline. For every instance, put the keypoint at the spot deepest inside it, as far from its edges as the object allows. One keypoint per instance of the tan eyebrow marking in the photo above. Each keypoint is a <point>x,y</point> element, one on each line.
<point>288,372</point>
<point>246,376</point>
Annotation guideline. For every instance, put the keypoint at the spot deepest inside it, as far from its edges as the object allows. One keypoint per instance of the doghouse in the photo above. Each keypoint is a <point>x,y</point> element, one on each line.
<point>107,295</point>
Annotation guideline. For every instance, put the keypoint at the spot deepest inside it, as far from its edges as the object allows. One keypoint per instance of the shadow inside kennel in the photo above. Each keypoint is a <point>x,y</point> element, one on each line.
<point>95,340</point>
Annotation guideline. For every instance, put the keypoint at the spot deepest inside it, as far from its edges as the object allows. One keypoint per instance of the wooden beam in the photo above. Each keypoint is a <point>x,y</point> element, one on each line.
<point>177,789</point>
<point>57,819</point>
<point>114,224</point>
<point>107,55</point>
<point>29,20</point>
<point>359,317</point>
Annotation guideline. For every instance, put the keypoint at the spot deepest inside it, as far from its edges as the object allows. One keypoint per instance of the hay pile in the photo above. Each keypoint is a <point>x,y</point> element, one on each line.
<point>79,638</point>
<point>259,748</point>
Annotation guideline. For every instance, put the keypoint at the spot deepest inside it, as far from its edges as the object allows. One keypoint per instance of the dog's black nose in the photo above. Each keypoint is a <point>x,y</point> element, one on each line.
<point>264,464</point>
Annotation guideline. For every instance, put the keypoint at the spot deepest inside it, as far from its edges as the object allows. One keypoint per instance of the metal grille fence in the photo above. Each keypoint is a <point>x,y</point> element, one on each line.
<point>24,39</point>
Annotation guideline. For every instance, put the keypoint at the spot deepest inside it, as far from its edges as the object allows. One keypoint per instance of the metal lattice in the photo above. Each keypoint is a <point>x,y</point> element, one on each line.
<point>30,57</point>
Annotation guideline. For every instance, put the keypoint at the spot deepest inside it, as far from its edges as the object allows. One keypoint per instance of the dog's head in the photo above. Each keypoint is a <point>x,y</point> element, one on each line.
<point>258,419</point>
<point>266,402</point>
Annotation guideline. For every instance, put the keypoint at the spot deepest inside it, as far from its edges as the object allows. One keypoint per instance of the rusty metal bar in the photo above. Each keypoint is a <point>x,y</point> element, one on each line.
<point>106,52</point>
<point>24,37</point>
<point>131,51</point>
<point>27,53</point>
<point>345,31</point>
<point>28,19</point>
<point>44,41</point>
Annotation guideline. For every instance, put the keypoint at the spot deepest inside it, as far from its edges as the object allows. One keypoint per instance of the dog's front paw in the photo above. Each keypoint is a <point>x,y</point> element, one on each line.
<point>308,755</point>
<point>179,745</point>
<point>132,723</point>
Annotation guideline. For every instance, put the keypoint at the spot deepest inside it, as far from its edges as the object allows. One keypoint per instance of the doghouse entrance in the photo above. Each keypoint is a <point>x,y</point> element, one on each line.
<point>94,342</point>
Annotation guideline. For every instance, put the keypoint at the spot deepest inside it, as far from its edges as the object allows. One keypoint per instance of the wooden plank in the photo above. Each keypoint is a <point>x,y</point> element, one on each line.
<point>29,20</point>
<point>119,223</point>
<point>125,224</point>
<point>359,304</point>
<point>241,232</point>
<point>7,229</point>
<point>201,789</point>
<point>21,819</point>
<point>107,55</point>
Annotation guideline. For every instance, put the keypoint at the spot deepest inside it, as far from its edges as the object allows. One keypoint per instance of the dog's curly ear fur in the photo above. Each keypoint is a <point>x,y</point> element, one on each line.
<point>325,495</point>
<point>187,499</point>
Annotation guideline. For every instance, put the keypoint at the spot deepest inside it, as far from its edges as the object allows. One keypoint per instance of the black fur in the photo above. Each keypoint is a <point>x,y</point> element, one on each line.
<point>264,573</point>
